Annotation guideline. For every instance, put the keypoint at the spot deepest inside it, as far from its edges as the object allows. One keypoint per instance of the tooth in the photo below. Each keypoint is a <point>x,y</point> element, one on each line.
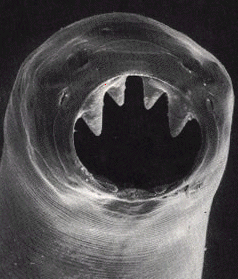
<point>92,109</point>
<point>178,114</point>
<point>151,93</point>
<point>177,124</point>
<point>149,101</point>
<point>92,113</point>
<point>93,119</point>
<point>118,94</point>
<point>117,90</point>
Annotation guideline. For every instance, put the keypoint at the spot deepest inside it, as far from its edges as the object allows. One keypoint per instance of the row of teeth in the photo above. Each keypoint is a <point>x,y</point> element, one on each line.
<point>179,110</point>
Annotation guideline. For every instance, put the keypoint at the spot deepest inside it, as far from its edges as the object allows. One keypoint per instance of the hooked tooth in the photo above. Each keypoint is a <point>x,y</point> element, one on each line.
<point>176,124</point>
<point>149,101</point>
<point>92,109</point>
<point>178,114</point>
<point>118,94</point>
<point>117,90</point>
<point>151,94</point>
<point>92,113</point>
<point>93,119</point>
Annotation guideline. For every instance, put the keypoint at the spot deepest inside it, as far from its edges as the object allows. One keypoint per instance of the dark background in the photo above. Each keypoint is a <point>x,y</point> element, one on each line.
<point>25,24</point>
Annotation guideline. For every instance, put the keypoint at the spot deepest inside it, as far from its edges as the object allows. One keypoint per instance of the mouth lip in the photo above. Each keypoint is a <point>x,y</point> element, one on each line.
<point>135,194</point>
<point>173,189</point>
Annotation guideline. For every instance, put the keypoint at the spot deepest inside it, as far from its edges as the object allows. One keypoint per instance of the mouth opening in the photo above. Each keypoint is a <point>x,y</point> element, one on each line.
<point>135,149</point>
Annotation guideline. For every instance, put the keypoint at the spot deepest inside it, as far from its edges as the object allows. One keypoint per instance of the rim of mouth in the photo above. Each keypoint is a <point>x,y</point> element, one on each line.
<point>134,152</point>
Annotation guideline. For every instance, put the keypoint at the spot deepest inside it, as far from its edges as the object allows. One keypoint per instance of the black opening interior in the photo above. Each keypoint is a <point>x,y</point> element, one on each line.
<point>135,149</point>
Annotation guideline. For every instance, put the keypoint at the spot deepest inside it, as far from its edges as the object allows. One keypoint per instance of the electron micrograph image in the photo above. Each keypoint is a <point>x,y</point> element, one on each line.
<point>118,141</point>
